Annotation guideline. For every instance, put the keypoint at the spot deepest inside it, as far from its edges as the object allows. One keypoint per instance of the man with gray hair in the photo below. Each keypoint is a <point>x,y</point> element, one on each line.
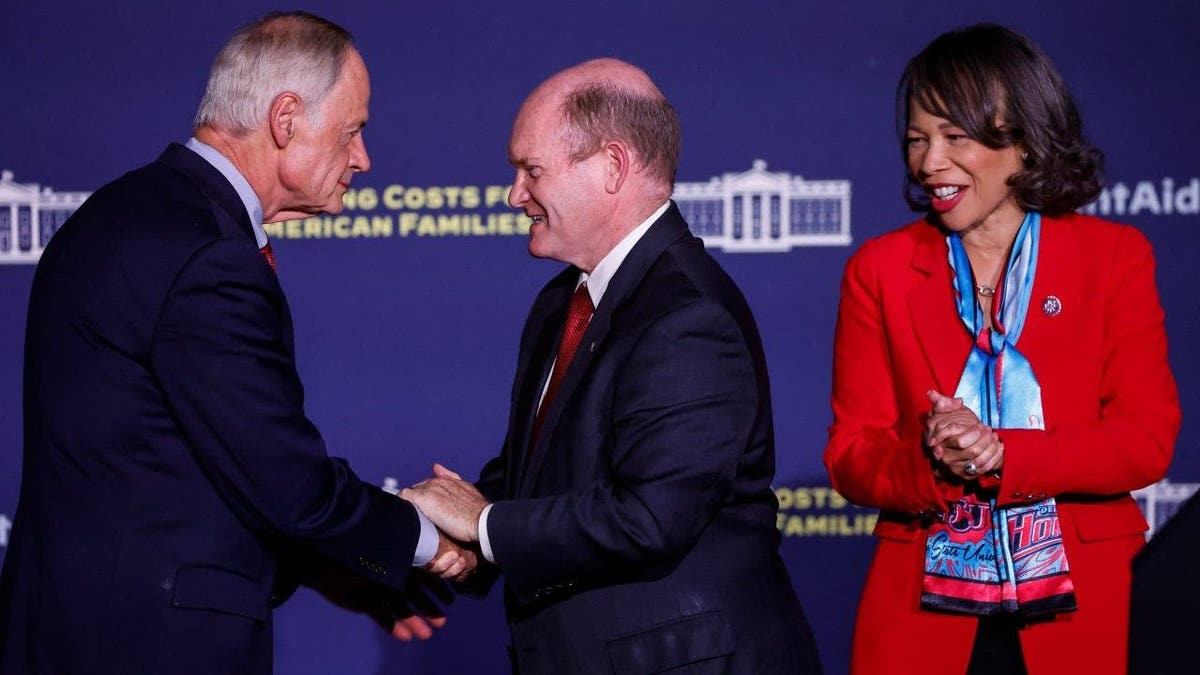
<point>170,475</point>
<point>630,510</point>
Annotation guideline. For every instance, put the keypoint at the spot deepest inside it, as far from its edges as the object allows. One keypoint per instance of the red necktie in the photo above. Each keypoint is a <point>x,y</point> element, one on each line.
<point>579,312</point>
<point>266,253</point>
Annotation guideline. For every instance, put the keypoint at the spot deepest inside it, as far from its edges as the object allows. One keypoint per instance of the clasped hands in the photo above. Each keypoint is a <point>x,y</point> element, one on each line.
<point>454,506</point>
<point>958,441</point>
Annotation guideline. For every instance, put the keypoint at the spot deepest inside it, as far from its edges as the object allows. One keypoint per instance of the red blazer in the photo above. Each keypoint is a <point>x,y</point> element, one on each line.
<point>1111,411</point>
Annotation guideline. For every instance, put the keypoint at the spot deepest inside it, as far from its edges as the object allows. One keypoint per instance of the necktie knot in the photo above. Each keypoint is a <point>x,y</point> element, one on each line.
<point>269,255</point>
<point>580,310</point>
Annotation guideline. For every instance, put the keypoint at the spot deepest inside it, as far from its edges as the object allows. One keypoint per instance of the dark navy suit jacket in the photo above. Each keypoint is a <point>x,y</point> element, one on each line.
<point>1163,621</point>
<point>641,535</point>
<point>168,463</point>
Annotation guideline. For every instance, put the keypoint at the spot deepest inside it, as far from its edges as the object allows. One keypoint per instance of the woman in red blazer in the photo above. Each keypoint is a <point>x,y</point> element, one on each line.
<point>1000,382</point>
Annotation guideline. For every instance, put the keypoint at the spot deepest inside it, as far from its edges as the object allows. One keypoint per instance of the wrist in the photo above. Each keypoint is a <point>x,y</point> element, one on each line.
<point>476,522</point>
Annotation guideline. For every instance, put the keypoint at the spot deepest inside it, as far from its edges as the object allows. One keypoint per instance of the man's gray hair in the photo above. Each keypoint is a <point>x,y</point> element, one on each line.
<point>281,52</point>
<point>604,111</point>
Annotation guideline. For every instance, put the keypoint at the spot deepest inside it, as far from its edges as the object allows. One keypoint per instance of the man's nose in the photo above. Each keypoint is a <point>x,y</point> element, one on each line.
<point>517,194</point>
<point>359,160</point>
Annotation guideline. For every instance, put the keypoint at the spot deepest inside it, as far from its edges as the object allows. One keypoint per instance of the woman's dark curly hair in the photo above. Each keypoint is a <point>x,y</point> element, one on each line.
<point>1002,90</point>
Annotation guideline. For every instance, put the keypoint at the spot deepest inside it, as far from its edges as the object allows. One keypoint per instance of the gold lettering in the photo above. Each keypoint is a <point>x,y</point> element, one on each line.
<point>414,198</point>
<point>312,227</point>
<point>470,197</point>
<point>368,199</point>
<point>844,527</point>
<point>795,527</point>
<point>505,223</point>
<point>434,198</point>
<point>406,218</point>
<point>408,223</point>
<point>381,226</point>
<point>869,520</point>
<point>393,196</point>
<point>784,495</point>
<point>478,228</point>
<point>496,194</point>
<point>427,227</point>
<point>449,225</point>
<point>361,227</point>
<point>804,498</point>
<point>814,524</point>
<point>339,227</point>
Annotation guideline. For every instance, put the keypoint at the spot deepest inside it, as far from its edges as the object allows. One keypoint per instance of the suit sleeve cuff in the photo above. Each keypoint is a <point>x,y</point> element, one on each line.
<point>427,545</point>
<point>485,543</point>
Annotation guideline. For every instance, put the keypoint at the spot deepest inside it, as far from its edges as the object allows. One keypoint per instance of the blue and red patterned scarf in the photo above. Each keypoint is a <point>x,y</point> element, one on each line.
<point>982,559</point>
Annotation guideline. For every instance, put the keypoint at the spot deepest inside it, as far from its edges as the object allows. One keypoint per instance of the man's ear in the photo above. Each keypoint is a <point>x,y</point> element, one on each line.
<point>619,164</point>
<point>285,114</point>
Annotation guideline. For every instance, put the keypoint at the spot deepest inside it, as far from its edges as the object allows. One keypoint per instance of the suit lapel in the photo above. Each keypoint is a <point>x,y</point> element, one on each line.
<point>931,305</point>
<point>1048,332</point>
<point>228,210</point>
<point>227,205</point>
<point>546,320</point>
<point>669,228</point>
<point>940,331</point>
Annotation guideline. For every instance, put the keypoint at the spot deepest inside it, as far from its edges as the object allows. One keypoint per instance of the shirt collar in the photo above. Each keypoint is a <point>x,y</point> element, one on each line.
<point>238,181</point>
<point>604,270</point>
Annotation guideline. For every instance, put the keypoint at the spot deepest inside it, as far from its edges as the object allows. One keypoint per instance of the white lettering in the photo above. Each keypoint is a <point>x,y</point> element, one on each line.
<point>1187,199</point>
<point>5,526</point>
<point>1164,198</point>
<point>1144,199</point>
<point>1120,193</point>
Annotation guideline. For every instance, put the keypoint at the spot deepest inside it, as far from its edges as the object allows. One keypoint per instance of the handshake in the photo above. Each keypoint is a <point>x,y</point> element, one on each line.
<point>454,506</point>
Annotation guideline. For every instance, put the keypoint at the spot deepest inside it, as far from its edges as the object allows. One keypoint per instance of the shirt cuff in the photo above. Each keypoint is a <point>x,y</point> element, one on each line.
<point>485,544</point>
<point>427,545</point>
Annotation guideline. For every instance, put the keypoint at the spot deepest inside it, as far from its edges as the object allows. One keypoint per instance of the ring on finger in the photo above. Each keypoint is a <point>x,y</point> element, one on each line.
<point>970,468</point>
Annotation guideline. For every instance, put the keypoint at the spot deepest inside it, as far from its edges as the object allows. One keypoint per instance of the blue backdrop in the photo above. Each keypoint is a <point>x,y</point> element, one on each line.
<point>407,326</point>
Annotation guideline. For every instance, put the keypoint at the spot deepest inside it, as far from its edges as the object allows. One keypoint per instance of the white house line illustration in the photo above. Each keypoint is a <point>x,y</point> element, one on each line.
<point>760,211</point>
<point>29,216</point>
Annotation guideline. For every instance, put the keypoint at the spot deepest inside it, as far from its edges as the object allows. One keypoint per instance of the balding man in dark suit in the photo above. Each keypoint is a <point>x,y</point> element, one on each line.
<point>630,510</point>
